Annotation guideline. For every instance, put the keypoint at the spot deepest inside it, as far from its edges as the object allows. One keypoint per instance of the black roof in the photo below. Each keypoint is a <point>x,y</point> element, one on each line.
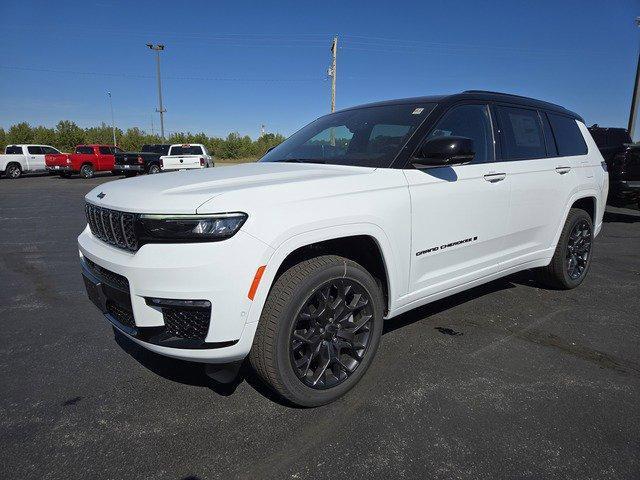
<point>483,95</point>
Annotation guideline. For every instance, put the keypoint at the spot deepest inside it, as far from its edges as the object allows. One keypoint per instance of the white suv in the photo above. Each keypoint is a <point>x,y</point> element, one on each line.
<point>364,214</point>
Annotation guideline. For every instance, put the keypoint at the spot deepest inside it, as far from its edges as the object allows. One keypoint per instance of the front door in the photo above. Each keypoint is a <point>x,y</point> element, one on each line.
<point>458,213</point>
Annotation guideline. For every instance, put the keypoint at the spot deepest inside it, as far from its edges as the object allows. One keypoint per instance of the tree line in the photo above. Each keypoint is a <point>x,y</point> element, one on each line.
<point>66,135</point>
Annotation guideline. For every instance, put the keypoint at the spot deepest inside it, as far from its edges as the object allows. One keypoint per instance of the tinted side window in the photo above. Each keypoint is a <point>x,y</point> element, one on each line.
<point>49,150</point>
<point>34,150</point>
<point>84,150</point>
<point>521,133</point>
<point>13,150</point>
<point>568,136</point>
<point>105,150</point>
<point>471,121</point>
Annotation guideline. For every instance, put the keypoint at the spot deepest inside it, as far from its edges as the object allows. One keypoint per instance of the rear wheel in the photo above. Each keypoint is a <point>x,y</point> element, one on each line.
<point>86,171</point>
<point>13,171</point>
<point>153,169</point>
<point>572,258</point>
<point>319,330</point>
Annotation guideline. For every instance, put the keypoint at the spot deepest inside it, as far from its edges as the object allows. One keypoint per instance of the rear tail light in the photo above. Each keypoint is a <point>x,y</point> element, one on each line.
<point>140,160</point>
<point>161,163</point>
<point>202,162</point>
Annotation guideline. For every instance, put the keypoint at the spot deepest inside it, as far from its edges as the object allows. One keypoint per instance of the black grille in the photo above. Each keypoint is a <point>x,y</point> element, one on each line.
<point>122,315</point>
<point>191,323</point>
<point>107,276</point>
<point>112,226</point>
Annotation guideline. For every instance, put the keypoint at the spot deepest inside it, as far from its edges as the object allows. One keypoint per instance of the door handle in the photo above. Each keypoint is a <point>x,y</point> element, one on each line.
<point>495,177</point>
<point>563,170</point>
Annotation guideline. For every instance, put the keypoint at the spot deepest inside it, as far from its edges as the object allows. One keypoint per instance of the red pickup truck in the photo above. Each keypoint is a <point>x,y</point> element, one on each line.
<point>86,160</point>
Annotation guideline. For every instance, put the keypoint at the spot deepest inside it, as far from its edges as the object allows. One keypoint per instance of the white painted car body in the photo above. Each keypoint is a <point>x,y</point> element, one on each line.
<point>516,223</point>
<point>29,161</point>
<point>173,161</point>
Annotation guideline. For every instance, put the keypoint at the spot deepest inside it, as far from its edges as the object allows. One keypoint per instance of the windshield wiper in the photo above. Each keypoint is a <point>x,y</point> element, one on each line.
<point>302,160</point>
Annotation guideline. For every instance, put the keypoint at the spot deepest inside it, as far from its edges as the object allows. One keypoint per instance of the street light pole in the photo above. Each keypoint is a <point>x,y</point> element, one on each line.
<point>113,123</point>
<point>633,114</point>
<point>161,110</point>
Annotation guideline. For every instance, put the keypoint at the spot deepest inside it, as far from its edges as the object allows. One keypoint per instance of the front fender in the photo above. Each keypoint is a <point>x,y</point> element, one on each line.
<point>396,275</point>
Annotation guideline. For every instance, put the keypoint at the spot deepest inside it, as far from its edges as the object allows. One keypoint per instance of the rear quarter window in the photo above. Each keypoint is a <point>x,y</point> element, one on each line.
<point>569,139</point>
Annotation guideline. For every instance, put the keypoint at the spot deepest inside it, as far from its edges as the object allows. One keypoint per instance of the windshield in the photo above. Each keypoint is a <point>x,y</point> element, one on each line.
<point>186,150</point>
<point>365,137</point>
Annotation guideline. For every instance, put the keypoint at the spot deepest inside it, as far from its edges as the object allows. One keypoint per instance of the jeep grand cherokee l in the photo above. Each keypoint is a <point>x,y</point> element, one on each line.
<point>366,213</point>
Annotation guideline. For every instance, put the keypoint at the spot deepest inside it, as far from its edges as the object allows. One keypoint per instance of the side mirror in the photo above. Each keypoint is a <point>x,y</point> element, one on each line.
<point>443,151</point>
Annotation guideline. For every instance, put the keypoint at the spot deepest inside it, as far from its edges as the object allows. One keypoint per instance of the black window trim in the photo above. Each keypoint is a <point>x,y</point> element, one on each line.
<point>429,123</point>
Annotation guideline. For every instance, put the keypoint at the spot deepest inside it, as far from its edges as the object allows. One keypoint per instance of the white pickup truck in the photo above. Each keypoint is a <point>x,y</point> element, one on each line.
<point>18,159</point>
<point>186,157</point>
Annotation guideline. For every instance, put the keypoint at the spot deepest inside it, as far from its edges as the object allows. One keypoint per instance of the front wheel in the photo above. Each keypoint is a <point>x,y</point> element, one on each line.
<point>572,258</point>
<point>86,171</point>
<point>319,330</point>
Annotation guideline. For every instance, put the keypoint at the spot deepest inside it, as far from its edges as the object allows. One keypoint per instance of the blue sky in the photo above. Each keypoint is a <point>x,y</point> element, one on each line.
<point>230,66</point>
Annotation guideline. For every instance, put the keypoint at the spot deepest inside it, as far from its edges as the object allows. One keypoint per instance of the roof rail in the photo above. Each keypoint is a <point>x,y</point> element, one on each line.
<point>497,93</point>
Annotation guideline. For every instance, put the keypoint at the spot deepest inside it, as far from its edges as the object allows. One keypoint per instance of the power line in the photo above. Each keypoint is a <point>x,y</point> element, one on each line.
<point>134,75</point>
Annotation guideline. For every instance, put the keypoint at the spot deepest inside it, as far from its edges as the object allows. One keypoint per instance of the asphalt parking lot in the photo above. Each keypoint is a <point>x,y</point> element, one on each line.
<point>507,380</point>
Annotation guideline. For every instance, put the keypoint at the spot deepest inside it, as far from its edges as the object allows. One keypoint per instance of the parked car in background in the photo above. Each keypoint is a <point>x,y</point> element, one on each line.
<point>86,160</point>
<point>18,159</point>
<point>186,157</point>
<point>623,162</point>
<point>145,161</point>
<point>297,260</point>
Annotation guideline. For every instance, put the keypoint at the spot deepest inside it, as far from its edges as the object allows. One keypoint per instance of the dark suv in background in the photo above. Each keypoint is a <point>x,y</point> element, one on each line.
<point>145,161</point>
<point>623,162</point>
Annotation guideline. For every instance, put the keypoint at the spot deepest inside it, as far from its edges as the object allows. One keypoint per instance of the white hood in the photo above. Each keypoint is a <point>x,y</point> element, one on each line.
<point>185,191</point>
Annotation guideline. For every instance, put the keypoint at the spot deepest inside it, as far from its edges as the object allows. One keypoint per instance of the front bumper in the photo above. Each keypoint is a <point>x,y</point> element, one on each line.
<point>219,272</point>
<point>127,168</point>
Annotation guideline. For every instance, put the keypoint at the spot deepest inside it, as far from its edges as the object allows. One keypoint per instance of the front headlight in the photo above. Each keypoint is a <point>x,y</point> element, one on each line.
<point>189,228</point>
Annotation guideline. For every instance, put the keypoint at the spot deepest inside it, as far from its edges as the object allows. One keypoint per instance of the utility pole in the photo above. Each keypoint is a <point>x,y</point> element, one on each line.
<point>332,72</point>
<point>161,110</point>
<point>113,123</point>
<point>633,114</point>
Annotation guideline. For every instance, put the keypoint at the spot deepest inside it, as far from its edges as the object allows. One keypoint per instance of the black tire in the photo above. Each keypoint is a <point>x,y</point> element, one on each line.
<point>571,261</point>
<point>273,355</point>
<point>13,171</point>
<point>86,171</point>
<point>153,169</point>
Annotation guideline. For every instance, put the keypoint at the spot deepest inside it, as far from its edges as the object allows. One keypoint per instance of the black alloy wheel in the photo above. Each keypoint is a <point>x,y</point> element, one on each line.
<point>319,330</point>
<point>331,333</point>
<point>579,249</point>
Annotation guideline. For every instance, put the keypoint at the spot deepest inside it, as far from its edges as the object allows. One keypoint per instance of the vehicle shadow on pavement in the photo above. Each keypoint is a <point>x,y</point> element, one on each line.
<point>617,217</point>
<point>190,373</point>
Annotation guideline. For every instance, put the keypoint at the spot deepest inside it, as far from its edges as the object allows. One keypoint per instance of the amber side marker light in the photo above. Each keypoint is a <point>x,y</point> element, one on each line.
<point>256,282</point>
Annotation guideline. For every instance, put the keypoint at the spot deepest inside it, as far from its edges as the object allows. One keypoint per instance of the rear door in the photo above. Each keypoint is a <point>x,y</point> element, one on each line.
<point>458,213</point>
<point>540,182</point>
<point>35,157</point>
